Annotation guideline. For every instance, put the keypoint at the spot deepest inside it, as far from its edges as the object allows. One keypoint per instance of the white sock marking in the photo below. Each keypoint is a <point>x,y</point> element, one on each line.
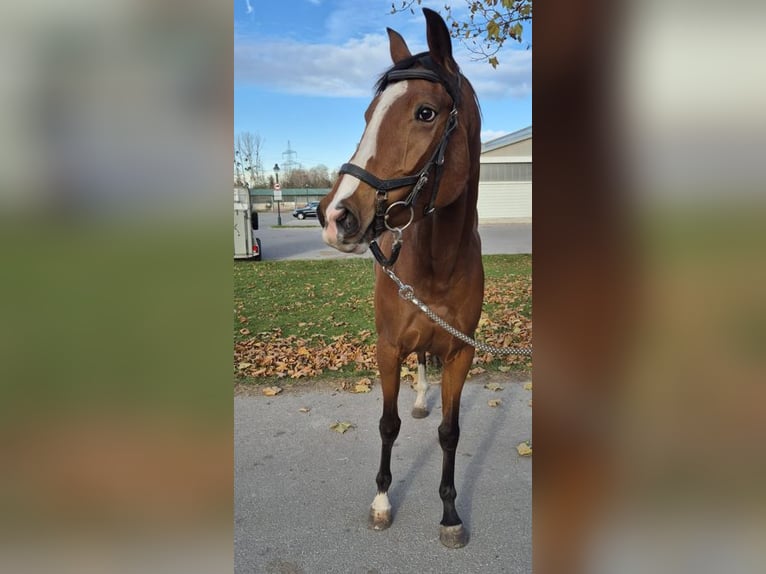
<point>380,503</point>
<point>421,387</point>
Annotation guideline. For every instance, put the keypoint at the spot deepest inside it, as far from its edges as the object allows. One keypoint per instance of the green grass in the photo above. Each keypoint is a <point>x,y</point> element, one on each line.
<point>334,296</point>
<point>303,297</point>
<point>314,303</point>
<point>506,266</point>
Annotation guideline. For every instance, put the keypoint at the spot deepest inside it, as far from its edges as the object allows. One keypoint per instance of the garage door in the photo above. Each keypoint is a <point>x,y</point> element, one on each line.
<point>505,200</point>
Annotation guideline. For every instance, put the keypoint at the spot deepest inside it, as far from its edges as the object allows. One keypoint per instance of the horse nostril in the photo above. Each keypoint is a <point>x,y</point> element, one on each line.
<point>348,222</point>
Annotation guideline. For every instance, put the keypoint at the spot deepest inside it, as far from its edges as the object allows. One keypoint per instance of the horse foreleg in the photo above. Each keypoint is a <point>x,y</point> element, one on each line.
<point>389,366</point>
<point>452,534</point>
<point>420,408</point>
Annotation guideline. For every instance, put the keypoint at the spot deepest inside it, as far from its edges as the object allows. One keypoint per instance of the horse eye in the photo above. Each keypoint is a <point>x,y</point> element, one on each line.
<point>426,114</point>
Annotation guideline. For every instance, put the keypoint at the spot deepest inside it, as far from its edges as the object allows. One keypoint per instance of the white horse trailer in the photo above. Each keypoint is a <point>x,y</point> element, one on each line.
<point>246,244</point>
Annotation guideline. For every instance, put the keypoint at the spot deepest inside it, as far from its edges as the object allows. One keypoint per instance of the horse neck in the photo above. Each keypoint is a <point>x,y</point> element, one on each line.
<point>445,240</point>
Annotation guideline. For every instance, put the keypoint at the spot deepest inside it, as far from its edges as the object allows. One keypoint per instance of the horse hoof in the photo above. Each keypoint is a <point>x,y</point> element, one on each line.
<point>379,519</point>
<point>453,536</point>
<point>419,412</point>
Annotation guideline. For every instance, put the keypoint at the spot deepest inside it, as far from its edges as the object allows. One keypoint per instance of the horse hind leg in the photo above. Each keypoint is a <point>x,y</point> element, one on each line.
<point>420,408</point>
<point>389,365</point>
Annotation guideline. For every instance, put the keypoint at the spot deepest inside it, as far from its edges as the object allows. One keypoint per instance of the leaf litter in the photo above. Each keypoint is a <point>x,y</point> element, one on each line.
<point>271,354</point>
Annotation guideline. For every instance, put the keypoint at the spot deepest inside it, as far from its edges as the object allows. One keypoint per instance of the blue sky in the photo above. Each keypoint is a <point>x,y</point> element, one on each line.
<point>304,71</point>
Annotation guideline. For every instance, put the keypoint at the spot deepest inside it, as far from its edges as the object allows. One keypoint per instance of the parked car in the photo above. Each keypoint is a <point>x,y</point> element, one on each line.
<point>308,210</point>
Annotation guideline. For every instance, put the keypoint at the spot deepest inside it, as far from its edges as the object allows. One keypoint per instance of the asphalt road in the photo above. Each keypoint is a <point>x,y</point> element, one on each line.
<point>302,239</point>
<point>302,491</point>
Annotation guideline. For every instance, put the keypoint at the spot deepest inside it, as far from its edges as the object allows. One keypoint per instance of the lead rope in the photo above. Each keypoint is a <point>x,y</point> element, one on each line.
<point>407,293</point>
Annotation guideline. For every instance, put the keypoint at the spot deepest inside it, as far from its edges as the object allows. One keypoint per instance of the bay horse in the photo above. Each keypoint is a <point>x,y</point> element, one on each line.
<point>411,190</point>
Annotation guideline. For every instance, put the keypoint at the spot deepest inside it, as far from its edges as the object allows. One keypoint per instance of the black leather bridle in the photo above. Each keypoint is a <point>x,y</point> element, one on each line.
<point>418,180</point>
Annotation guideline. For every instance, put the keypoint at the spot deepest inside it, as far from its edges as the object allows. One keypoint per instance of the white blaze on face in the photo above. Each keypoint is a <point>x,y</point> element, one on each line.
<point>365,151</point>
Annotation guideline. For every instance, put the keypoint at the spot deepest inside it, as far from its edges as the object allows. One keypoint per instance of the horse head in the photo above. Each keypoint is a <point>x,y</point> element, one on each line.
<point>422,124</point>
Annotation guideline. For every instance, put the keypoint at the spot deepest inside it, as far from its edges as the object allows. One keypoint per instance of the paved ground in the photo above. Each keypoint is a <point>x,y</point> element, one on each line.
<point>303,241</point>
<point>302,491</point>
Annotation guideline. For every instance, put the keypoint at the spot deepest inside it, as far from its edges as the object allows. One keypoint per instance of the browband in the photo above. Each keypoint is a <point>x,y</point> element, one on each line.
<point>422,74</point>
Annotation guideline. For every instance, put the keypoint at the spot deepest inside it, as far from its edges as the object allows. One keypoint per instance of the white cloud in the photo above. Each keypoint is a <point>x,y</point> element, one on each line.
<point>347,70</point>
<point>249,7</point>
<point>512,77</point>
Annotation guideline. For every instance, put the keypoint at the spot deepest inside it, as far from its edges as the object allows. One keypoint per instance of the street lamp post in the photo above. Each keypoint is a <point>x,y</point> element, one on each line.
<point>277,194</point>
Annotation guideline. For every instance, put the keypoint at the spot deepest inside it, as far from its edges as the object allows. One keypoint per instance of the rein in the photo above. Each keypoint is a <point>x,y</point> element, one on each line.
<point>418,180</point>
<point>407,293</point>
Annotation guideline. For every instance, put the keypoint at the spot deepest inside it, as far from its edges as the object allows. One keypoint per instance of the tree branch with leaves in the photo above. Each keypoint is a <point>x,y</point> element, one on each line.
<point>487,26</point>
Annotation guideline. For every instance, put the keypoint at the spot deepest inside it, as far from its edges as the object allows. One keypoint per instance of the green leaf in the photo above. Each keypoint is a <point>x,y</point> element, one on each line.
<point>493,62</point>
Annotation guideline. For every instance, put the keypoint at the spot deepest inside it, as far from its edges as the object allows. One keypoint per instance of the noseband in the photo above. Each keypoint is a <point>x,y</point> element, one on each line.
<point>418,180</point>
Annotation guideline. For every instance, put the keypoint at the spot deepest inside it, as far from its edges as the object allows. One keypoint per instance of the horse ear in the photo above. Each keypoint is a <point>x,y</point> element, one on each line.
<point>399,49</point>
<point>439,41</point>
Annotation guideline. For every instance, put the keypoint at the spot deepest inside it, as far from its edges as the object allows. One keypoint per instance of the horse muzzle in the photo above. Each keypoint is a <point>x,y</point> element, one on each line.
<point>343,230</point>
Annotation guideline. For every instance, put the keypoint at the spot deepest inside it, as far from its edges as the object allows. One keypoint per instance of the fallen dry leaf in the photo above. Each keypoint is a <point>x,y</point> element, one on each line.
<point>272,355</point>
<point>407,373</point>
<point>271,391</point>
<point>362,386</point>
<point>340,427</point>
<point>524,449</point>
<point>243,366</point>
<point>494,402</point>
<point>304,409</point>
<point>527,386</point>
<point>493,387</point>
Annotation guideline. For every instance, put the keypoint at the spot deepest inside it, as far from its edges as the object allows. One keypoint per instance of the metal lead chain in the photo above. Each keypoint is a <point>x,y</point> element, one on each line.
<point>408,294</point>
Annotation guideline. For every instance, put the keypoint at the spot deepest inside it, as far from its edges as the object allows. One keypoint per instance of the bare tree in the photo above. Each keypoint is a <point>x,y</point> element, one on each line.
<point>319,176</point>
<point>247,159</point>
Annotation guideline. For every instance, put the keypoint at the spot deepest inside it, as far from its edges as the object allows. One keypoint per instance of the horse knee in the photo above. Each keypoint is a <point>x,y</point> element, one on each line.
<point>448,436</point>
